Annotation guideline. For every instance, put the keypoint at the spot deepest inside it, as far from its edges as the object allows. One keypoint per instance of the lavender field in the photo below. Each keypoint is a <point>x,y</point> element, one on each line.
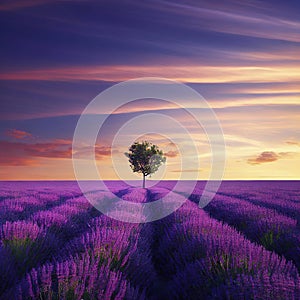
<point>244,245</point>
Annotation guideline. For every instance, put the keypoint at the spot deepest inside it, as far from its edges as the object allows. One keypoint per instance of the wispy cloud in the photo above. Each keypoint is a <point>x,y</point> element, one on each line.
<point>19,4</point>
<point>184,73</point>
<point>239,20</point>
<point>295,143</point>
<point>187,171</point>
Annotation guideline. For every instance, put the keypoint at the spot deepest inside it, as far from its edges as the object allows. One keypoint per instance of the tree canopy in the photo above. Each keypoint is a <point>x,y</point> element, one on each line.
<point>145,158</point>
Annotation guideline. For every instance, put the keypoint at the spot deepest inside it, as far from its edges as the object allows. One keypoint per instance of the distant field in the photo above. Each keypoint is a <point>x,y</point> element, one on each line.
<point>244,245</point>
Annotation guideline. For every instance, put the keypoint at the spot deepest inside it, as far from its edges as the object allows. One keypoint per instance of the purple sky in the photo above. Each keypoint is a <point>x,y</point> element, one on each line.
<point>242,56</point>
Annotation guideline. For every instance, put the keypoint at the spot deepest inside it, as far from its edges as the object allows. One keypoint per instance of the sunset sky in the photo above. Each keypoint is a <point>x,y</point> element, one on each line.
<point>243,57</point>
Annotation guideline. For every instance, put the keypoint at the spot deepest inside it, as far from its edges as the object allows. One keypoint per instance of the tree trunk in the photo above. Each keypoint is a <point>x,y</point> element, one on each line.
<point>144,180</point>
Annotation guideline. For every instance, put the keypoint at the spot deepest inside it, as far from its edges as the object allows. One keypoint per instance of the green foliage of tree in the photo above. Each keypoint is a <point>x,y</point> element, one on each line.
<point>145,158</point>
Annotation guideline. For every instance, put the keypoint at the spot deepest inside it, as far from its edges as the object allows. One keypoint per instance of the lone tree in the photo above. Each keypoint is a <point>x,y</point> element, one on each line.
<point>145,158</point>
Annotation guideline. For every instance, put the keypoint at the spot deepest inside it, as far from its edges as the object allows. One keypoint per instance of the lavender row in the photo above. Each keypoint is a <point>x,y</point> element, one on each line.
<point>77,278</point>
<point>265,226</point>
<point>104,256</point>
<point>126,248</point>
<point>201,258</point>
<point>26,244</point>
<point>21,208</point>
<point>288,189</point>
<point>285,205</point>
<point>96,241</point>
<point>282,196</point>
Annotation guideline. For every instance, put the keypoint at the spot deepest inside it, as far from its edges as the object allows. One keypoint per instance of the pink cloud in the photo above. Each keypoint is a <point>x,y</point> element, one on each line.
<point>171,154</point>
<point>101,151</point>
<point>17,134</point>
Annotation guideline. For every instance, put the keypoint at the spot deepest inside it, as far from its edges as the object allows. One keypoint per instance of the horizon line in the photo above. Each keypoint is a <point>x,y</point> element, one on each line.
<point>71,180</point>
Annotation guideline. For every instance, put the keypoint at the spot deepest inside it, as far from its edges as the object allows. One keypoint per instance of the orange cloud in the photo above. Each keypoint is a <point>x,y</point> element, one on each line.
<point>12,154</point>
<point>268,156</point>
<point>24,154</point>
<point>27,154</point>
<point>100,151</point>
<point>50,150</point>
<point>18,134</point>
